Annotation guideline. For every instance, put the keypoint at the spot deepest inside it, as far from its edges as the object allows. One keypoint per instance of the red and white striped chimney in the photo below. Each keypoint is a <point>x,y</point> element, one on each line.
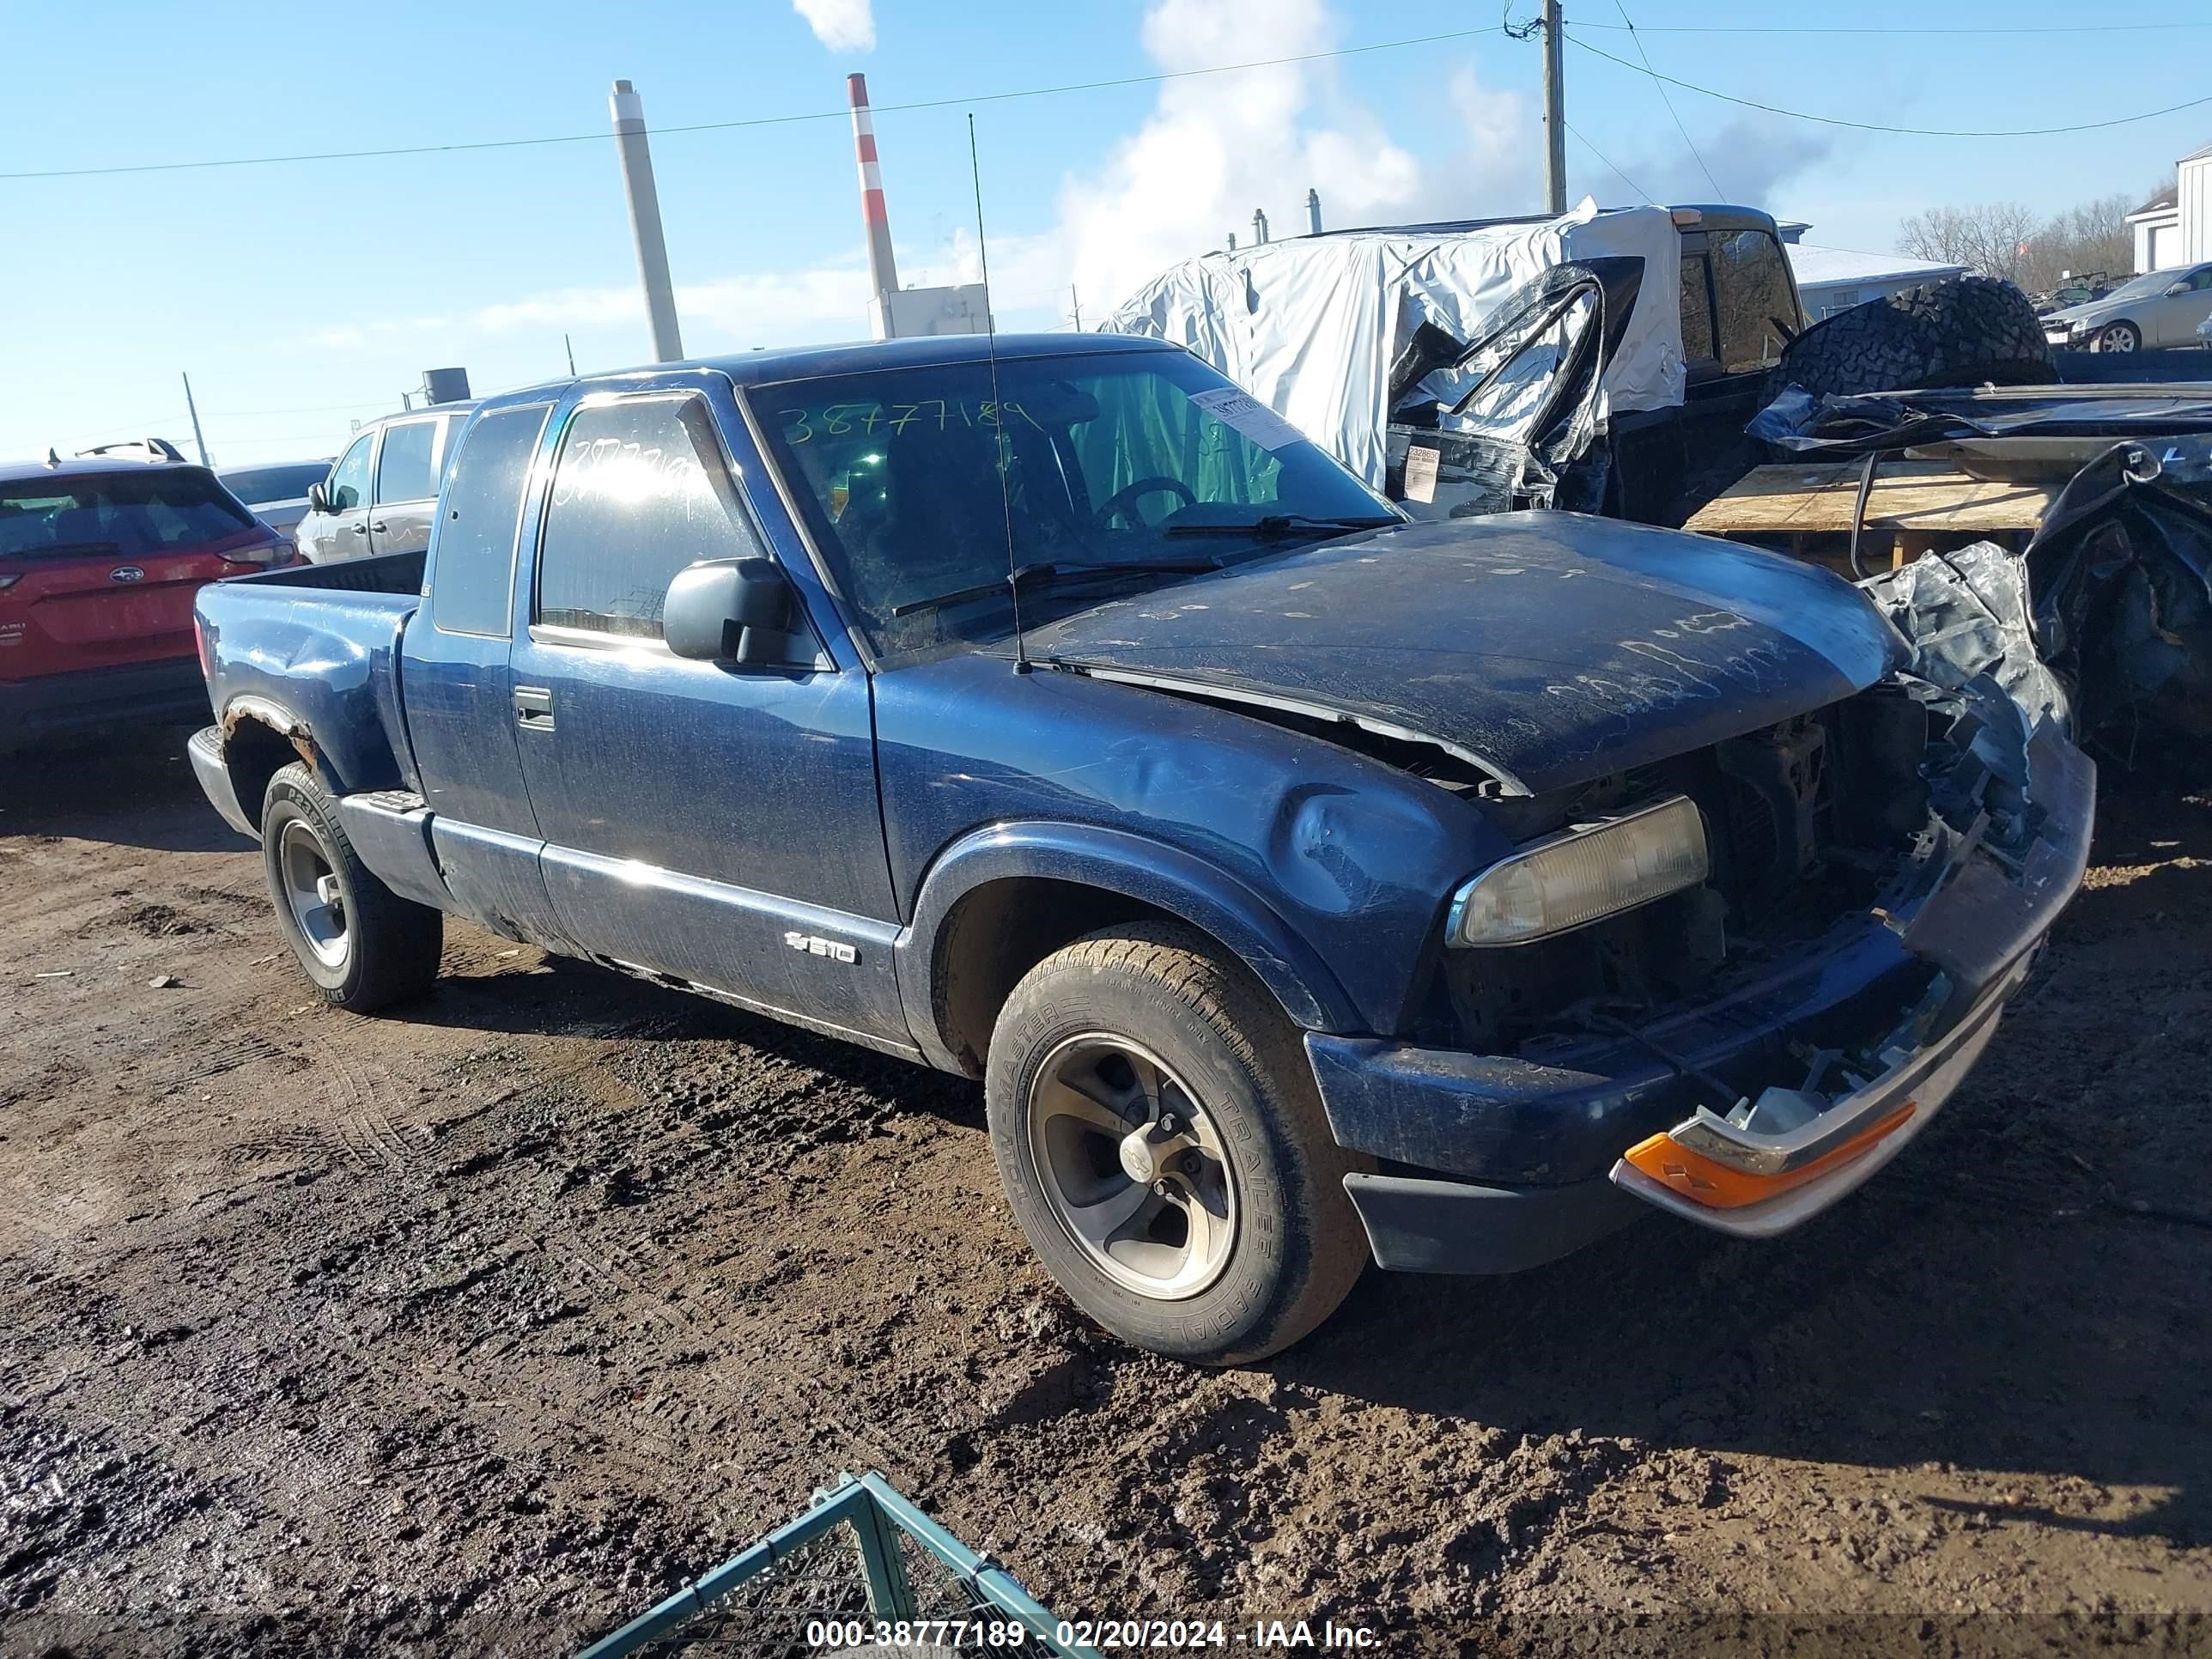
<point>882,273</point>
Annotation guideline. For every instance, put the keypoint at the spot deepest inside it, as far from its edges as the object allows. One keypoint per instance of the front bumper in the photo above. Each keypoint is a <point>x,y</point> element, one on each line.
<point>1497,1162</point>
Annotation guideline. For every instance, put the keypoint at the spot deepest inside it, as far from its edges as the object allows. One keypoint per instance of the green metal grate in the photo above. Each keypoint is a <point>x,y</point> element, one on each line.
<point>860,1556</point>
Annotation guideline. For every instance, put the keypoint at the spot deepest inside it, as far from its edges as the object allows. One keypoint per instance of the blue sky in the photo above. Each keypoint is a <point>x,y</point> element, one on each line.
<point>304,297</point>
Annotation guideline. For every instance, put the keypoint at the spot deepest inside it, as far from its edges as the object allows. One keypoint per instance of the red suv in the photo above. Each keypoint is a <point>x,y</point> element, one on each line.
<point>99,558</point>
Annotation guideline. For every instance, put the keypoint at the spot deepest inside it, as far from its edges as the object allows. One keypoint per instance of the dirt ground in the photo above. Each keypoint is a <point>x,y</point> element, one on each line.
<point>482,1325</point>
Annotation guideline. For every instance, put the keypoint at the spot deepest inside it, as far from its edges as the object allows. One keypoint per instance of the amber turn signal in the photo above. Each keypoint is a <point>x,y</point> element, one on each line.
<point>1718,1186</point>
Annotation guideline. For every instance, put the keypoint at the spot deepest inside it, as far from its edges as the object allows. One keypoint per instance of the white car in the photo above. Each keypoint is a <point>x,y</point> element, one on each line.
<point>2163,308</point>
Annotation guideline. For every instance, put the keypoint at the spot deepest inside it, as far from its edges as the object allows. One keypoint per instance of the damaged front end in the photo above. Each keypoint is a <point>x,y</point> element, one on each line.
<point>1743,1051</point>
<point>2004,848</point>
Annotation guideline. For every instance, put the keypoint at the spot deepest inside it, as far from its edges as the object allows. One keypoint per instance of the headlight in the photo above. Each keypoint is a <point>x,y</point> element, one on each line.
<point>1583,875</point>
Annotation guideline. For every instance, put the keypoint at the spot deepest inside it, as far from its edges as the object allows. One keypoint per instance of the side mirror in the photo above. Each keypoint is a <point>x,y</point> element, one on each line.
<point>734,611</point>
<point>2178,288</point>
<point>319,499</point>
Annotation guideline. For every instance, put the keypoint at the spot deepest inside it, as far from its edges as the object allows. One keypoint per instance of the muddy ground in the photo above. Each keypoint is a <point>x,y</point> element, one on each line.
<point>484,1324</point>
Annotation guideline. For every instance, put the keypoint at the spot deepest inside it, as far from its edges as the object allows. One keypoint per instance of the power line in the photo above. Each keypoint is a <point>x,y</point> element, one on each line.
<point>1617,173</point>
<point>1663,98</point>
<point>1908,28</point>
<point>841,113</point>
<point>312,408</point>
<point>1873,126</point>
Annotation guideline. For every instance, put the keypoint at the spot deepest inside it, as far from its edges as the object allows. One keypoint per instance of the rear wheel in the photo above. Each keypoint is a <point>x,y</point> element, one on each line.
<point>360,944</point>
<point>1155,1125</point>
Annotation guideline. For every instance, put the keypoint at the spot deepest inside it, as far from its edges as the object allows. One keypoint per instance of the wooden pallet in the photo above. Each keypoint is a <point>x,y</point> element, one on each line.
<point>1914,506</point>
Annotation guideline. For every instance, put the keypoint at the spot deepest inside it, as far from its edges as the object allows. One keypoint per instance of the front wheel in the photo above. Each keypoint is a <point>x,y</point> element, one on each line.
<point>1156,1127</point>
<point>2117,337</point>
<point>361,944</point>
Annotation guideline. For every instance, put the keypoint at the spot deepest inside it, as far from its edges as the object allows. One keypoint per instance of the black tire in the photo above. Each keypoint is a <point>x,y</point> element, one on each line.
<point>386,948</point>
<point>1964,331</point>
<point>1296,1247</point>
<point>2123,334</point>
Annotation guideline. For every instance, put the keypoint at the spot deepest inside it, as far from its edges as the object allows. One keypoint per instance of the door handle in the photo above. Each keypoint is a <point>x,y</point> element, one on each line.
<point>533,709</point>
<point>378,526</point>
<point>358,526</point>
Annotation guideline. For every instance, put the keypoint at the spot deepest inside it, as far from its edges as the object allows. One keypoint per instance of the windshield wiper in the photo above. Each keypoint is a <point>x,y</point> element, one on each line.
<point>1282,524</point>
<point>1030,574</point>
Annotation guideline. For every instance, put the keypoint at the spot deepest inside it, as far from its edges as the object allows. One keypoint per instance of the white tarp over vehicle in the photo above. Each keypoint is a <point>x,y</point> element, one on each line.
<point>1311,326</point>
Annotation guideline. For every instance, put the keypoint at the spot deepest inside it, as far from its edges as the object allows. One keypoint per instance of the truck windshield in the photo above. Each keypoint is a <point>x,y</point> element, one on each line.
<point>128,513</point>
<point>1111,459</point>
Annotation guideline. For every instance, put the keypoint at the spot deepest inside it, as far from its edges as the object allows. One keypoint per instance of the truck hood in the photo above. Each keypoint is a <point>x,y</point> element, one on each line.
<point>1543,648</point>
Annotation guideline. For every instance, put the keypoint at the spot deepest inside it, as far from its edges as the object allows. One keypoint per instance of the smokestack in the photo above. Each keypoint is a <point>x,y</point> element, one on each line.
<point>1313,213</point>
<point>628,112</point>
<point>1259,228</point>
<point>882,274</point>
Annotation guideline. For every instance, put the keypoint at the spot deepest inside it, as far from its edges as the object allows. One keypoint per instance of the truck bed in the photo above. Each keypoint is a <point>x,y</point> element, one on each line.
<point>389,573</point>
<point>314,650</point>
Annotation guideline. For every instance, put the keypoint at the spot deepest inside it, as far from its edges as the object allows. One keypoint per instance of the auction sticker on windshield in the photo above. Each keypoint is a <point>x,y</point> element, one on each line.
<point>1254,419</point>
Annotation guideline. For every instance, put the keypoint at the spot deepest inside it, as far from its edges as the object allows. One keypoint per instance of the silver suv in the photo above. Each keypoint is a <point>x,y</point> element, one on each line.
<point>383,492</point>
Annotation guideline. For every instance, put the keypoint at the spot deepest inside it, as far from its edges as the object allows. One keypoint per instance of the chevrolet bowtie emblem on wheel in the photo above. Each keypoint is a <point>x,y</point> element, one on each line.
<point>814,946</point>
<point>126,572</point>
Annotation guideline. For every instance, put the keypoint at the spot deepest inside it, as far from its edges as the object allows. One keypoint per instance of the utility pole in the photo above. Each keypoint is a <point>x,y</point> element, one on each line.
<point>1555,116</point>
<point>571,347</point>
<point>192,409</point>
<point>1075,303</point>
<point>628,112</point>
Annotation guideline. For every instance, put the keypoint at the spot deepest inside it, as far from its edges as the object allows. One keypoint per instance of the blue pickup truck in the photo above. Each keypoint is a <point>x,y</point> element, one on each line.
<point>1307,886</point>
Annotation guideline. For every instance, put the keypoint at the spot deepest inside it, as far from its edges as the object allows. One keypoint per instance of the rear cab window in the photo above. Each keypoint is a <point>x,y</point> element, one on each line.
<point>159,511</point>
<point>1698,353</point>
<point>1757,303</point>
<point>640,490</point>
<point>480,517</point>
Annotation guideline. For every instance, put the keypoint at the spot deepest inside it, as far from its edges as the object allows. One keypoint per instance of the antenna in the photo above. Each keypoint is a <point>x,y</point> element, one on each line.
<point>998,411</point>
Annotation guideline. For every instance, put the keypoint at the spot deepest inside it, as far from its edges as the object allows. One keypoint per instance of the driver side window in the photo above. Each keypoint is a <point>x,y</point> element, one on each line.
<point>348,486</point>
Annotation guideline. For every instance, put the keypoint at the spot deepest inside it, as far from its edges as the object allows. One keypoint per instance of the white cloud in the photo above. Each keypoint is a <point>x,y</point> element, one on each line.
<point>840,25</point>
<point>1216,147</point>
<point>824,302</point>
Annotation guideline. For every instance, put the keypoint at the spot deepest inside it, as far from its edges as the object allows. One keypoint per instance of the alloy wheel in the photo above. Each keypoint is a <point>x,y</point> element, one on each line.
<point>1131,1167</point>
<point>311,892</point>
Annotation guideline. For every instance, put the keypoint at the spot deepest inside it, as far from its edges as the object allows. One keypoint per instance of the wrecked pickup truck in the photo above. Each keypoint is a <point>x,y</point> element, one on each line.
<point>1306,886</point>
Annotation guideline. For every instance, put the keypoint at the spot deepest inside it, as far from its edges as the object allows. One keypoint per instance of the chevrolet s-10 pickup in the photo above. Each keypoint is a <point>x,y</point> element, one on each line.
<point>1307,887</point>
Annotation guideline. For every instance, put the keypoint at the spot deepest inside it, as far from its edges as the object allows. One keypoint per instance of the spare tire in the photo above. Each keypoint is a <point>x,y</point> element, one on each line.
<point>1963,331</point>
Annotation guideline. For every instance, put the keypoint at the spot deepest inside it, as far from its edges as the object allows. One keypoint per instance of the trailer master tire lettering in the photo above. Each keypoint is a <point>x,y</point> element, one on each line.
<point>1961,332</point>
<point>361,944</point>
<point>1295,1246</point>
